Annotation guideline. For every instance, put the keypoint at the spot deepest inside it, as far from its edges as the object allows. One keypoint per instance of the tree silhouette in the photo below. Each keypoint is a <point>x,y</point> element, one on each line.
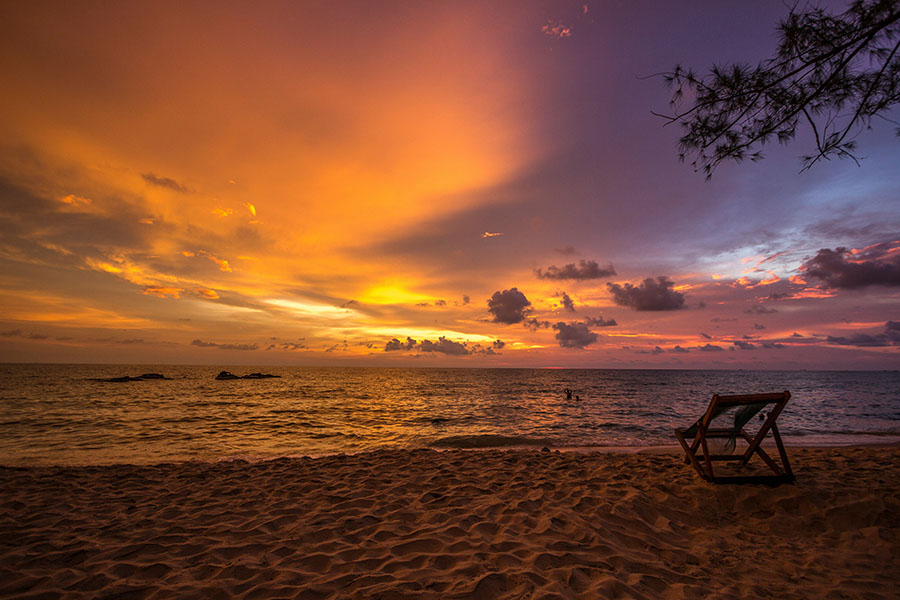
<point>833,73</point>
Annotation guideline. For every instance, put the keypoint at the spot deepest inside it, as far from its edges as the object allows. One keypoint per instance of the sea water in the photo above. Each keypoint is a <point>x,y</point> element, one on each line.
<point>66,414</point>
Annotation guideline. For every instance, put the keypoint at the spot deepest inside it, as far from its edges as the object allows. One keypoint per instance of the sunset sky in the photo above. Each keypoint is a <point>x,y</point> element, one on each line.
<point>418,184</point>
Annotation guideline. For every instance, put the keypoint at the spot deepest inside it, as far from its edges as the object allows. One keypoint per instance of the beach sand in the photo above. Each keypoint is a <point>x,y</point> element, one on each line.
<point>455,524</point>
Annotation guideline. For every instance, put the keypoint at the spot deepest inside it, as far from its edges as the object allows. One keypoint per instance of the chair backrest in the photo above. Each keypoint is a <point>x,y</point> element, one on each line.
<point>752,403</point>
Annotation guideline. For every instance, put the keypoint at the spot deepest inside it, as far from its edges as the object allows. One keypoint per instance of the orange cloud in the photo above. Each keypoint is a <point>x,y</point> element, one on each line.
<point>207,293</point>
<point>162,292</point>
<point>556,30</point>
<point>773,278</point>
<point>222,212</point>
<point>223,264</point>
<point>813,293</point>
<point>73,200</point>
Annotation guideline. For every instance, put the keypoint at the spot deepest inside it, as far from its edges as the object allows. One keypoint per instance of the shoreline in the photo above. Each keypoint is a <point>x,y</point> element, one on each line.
<point>423,523</point>
<point>674,448</point>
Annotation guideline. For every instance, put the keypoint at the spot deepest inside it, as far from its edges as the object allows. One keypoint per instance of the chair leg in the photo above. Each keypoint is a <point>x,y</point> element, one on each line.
<point>689,454</point>
<point>781,452</point>
<point>762,454</point>
<point>706,455</point>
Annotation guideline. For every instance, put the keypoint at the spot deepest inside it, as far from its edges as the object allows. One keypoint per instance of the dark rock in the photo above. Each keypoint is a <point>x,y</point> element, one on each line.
<point>229,375</point>
<point>124,378</point>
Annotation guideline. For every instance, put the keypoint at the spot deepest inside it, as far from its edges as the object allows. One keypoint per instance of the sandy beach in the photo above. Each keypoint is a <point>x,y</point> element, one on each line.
<point>456,524</point>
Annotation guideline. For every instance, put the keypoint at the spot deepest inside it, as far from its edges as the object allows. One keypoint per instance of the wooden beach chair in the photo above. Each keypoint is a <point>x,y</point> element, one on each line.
<point>735,412</point>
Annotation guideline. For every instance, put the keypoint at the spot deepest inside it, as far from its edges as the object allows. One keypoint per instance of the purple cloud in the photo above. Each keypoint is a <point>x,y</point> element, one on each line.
<point>586,269</point>
<point>890,337</point>
<point>649,295</point>
<point>202,344</point>
<point>848,269</point>
<point>574,335</point>
<point>600,322</point>
<point>509,306</point>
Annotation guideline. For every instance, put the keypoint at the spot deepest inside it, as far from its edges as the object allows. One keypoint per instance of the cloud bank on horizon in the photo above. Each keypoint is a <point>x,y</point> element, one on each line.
<point>348,185</point>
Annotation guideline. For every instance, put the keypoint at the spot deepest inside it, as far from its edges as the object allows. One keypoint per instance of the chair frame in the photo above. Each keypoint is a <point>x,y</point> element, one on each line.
<point>698,450</point>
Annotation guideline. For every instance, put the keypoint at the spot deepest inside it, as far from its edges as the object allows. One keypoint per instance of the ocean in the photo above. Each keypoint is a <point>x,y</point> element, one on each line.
<point>64,414</point>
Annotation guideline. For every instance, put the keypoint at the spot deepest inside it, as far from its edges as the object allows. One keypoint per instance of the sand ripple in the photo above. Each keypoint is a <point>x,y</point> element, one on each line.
<point>458,524</point>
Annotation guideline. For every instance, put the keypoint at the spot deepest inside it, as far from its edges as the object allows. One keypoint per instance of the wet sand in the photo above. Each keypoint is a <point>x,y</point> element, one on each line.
<point>454,524</point>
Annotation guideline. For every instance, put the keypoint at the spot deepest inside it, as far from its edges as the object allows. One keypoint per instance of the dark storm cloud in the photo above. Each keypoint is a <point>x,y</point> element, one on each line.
<point>444,346</point>
<point>679,350</point>
<point>773,346</point>
<point>574,335</point>
<point>654,350</point>
<point>651,294</point>
<point>709,348</point>
<point>28,336</point>
<point>126,341</point>
<point>166,182</point>
<point>334,347</point>
<point>509,306</point>
<point>535,324</point>
<point>744,345</point>
<point>490,350</point>
<point>600,322</point>
<point>758,326</point>
<point>567,302</point>
<point>890,337</point>
<point>841,268</point>
<point>395,345</point>
<point>705,336</point>
<point>586,269</point>
<point>438,303</point>
<point>441,346</point>
<point>38,226</point>
<point>756,309</point>
<point>291,346</point>
<point>203,344</point>
<point>863,340</point>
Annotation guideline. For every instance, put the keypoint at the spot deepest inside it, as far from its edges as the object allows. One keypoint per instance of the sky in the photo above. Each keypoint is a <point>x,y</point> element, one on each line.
<point>462,184</point>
